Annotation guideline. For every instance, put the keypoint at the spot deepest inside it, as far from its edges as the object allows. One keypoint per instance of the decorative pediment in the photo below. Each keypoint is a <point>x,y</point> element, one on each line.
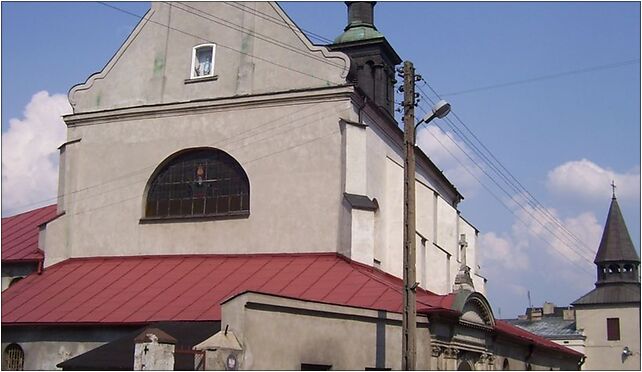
<point>474,309</point>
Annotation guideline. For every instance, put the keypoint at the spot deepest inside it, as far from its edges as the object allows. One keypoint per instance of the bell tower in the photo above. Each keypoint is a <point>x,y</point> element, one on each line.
<point>373,58</point>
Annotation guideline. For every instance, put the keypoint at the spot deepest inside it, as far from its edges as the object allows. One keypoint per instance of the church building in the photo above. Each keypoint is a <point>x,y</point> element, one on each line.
<point>230,197</point>
<point>609,315</point>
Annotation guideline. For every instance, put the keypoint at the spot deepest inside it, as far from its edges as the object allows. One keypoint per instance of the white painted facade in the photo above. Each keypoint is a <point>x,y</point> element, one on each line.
<point>301,132</point>
<point>601,353</point>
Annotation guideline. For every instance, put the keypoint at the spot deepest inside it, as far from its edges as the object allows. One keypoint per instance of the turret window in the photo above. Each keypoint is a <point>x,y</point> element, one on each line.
<point>203,61</point>
<point>613,329</point>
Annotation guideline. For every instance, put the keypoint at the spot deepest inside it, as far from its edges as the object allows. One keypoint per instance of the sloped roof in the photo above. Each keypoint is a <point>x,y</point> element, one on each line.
<point>616,244</point>
<point>524,336</point>
<point>611,293</point>
<point>140,289</point>
<point>143,289</point>
<point>20,234</point>
<point>552,328</point>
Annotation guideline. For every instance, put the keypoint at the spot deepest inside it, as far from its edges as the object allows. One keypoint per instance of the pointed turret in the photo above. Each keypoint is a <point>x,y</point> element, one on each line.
<point>617,263</point>
<point>616,244</point>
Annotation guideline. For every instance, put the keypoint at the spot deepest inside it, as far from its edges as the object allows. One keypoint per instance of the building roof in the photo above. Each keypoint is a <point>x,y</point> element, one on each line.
<point>20,234</point>
<point>611,293</point>
<point>524,336</point>
<point>616,244</point>
<point>118,354</point>
<point>143,289</point>
<point>552,328</point>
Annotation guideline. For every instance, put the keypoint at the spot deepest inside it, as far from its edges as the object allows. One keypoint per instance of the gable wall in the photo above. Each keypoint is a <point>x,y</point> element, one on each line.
<point>254,55</point>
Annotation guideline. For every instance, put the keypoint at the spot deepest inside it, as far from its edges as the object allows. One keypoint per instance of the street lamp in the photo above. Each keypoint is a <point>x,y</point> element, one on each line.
<point>409,318</point>
<point>439,110</point>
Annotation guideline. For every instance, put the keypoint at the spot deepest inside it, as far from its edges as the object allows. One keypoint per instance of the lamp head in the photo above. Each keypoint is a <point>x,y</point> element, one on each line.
<point>441,109</point>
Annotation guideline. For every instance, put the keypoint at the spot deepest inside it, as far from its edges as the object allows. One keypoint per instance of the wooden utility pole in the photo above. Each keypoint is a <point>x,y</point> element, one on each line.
<point>409,320</point>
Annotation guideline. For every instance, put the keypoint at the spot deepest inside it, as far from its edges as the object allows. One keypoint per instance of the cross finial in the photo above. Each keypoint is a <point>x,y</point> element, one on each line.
<point>613,186</point>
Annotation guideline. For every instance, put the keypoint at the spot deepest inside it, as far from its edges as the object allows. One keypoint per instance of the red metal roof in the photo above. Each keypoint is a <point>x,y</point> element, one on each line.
<point>20,234</point>
<point>142,289</point>
<point>138,289</point>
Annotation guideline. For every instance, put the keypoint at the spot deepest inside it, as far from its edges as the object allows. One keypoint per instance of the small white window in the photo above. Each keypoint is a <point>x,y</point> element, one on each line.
<point>203,61</point>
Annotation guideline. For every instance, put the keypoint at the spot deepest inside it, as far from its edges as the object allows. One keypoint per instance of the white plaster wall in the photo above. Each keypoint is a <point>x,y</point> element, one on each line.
<point>362,236</point>
<point>44,355</point>
<point>472,254</point>
<point>154,62</point>
<point>344,337</point>
<point>602,354</point>
<point>291,154</point>
<point>438,267</point>
<point>153,356</point>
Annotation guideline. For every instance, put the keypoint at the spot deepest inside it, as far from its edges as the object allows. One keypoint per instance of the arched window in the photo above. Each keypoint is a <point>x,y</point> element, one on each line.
<point>204,182</point>
<point>614,268</point>
<point>505,367</point>
<point>13,358</point>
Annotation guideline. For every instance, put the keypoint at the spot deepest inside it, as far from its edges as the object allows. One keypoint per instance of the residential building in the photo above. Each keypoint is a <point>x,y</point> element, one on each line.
<point>553,323</point>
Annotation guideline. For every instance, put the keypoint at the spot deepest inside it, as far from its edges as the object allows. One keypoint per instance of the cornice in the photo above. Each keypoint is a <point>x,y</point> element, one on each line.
<point>290,97</point>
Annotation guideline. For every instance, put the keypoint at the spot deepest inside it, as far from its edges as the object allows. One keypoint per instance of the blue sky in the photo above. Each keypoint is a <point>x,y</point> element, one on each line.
<point>564,138</point>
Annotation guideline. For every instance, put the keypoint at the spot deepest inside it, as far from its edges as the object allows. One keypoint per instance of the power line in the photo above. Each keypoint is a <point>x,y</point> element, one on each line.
<point>223,143</point>
<point>531,200</point>
<point>218,44</point>
<point>255,34</point>
<point>275,20</point>
<point>544,77</point>
<point>569,243</point>
<point>503,203</point>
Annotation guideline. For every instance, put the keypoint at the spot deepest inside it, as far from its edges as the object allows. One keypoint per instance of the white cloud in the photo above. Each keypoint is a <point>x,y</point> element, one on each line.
<point>500,253</point>
<point>440,147</point>
<point>30,155</point>
<point>573,238</point>
<point>585,179</point>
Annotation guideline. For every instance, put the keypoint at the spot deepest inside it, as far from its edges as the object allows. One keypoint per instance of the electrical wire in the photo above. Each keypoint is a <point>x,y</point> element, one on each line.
<point>218,20</point>
<point>566,240</point>
<point>225,143</point>
<point>520,189</point>
<point>275,20</point>
<point>219,44</point>
<point>544,77</point>
<point>502,202</point>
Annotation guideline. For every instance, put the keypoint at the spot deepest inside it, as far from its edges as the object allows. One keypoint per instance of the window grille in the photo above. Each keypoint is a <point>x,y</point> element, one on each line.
<point>199,183</point>
<point>14,358</point>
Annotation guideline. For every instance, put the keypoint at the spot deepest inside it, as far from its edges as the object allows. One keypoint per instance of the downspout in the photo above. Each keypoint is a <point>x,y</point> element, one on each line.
<point>39,266</point>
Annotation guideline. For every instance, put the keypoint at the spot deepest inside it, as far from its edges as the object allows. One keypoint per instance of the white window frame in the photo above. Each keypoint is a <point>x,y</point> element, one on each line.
<point>194,50</point>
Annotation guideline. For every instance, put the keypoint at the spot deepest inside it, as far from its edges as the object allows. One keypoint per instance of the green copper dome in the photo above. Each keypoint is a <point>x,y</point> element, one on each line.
<point>358,33</point>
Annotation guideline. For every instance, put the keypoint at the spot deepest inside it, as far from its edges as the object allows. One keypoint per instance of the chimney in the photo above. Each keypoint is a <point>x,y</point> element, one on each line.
<point>549,308</point>
<point>569,314</point>
<point>534,313</point>
<point>373,59</point>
